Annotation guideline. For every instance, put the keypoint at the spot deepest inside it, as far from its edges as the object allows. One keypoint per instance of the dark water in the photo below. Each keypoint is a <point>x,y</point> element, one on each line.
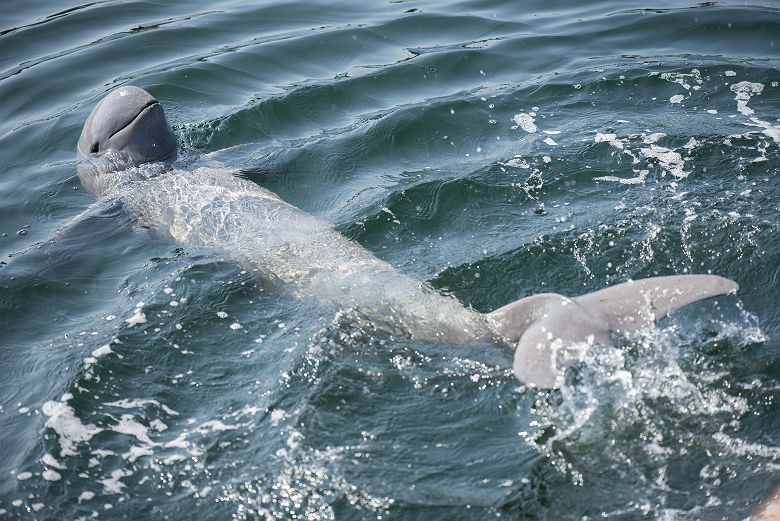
<point>494,149</point>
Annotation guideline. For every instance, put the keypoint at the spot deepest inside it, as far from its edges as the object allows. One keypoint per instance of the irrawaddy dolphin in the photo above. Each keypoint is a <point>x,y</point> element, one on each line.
<point>126,156</point>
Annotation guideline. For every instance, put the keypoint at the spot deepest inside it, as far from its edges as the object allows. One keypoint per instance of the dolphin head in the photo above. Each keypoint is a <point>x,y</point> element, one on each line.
<point>129,126</point>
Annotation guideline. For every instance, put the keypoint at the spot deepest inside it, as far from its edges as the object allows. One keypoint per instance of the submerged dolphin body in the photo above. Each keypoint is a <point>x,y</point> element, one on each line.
<point>125,154</point>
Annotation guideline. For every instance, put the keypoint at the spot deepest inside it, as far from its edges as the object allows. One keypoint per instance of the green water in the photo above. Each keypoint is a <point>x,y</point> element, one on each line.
<point>493,149</point>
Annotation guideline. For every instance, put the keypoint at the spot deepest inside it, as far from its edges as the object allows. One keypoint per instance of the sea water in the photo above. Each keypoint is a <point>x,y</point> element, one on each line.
<point>493,149</point>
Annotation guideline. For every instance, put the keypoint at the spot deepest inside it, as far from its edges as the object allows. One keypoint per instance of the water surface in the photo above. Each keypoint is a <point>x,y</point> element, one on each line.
<point>493,149</point>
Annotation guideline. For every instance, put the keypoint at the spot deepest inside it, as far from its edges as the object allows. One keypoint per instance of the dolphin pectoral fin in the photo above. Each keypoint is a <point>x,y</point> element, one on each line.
<point>552,332</point>
<point>236,153</point>
<point>265,166</point>
<point>90,228</point>
<point>273,168</point>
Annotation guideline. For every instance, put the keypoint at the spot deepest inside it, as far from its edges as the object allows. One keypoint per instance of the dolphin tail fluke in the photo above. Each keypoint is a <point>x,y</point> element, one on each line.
<point>552,332</point>
<point>633,304</point>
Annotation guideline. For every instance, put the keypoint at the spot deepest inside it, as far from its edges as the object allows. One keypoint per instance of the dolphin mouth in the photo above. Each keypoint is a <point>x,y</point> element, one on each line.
<point>151,103</point>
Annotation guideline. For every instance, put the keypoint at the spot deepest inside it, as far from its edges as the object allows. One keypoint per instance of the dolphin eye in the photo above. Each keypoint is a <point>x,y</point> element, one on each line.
<point>94,149</point>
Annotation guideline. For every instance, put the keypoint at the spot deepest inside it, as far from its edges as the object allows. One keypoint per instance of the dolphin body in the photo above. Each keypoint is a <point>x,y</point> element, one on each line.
<point>125,156</point>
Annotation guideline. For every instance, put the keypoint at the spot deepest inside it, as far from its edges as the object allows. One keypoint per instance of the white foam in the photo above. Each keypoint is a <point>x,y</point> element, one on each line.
<point>63,421</point>
<point>168,410</point>
<point>113,485</point>
<point>51,475</point>
<point>136,452</point>
<point>101,351</point>
<point>158,425</point>
<point>669,160</point>
<point>138,318</point>
<point>684,79</point>
<point>128,425</point>
<point>626,181</point>
<point>745,90</point>
<point>276,416</point>
<point>102,453</point>
<point>743,448</point>
<point>51,461</point>
<point>86,496</point>
<point>180,442</point>
<point>769,130</point>
<point>648,139</point>
<point>525,121</point>
<point>608,138</point>
<point>138,403</point>
<point>125,403</point>
<point>216,425</point>
<point>517,162</point>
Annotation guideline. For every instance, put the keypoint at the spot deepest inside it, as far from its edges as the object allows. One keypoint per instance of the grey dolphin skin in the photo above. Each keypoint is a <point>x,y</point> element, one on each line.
<point>126,156</point>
